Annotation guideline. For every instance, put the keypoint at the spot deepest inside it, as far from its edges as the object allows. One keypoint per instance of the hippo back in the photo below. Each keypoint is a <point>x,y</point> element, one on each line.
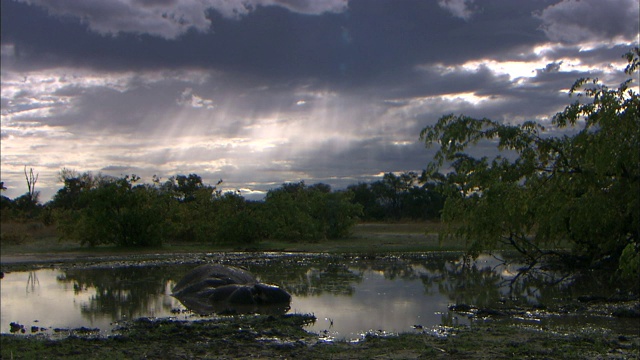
<point>223,275</point>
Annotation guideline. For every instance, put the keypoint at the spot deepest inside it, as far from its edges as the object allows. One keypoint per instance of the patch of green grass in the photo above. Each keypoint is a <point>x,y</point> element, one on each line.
<point>366,237</point>
<point>376,238</point>
<point>23,233</point>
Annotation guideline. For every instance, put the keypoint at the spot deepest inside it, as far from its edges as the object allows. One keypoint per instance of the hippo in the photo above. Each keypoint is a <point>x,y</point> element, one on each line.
<point>228,289</point>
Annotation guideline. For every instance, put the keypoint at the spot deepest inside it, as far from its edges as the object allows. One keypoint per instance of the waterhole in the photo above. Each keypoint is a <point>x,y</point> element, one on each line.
<point>351,296</point>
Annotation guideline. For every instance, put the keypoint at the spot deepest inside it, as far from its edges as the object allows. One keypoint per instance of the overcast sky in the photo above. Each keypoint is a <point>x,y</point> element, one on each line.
<point>262,92</point>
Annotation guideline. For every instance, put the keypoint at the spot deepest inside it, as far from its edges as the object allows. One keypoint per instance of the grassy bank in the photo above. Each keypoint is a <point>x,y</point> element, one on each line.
<point>19,239</point>
<point>283,337</point>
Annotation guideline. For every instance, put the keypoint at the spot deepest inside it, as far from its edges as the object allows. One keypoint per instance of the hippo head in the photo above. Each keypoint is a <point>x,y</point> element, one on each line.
<point>269,294</point>
<point>259,294</point>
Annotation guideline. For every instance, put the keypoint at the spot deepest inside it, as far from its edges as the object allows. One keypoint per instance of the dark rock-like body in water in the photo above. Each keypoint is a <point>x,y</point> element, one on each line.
<point>213,288</point>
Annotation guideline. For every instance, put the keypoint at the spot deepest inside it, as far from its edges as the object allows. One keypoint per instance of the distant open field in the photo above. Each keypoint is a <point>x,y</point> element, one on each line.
<point>33,241</point>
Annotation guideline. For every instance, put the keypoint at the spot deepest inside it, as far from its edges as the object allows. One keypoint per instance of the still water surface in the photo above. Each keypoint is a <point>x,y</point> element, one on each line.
<point>350,296</point>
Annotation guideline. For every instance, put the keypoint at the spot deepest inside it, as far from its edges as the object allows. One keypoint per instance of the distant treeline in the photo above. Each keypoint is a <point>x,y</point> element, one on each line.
<point>98,209</point>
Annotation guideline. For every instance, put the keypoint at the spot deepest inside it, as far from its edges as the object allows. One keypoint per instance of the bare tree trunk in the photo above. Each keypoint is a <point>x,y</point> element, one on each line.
<point>31,182</point>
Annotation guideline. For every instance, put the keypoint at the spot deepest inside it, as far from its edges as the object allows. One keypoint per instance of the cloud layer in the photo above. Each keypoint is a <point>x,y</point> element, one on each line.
<point>168,19</point>
<point>259,92</point>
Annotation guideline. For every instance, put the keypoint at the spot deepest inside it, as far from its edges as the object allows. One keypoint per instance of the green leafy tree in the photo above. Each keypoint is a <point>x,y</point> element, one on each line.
<point>289,213</point>
<point>237,221</point>
<point>395,197</point>
<point>580,187</point>
<point>74,185</point>
<point>116,212</point>
<point>363,194</point>
<point>186,188</point>
<point>392,191</point>
<point>193,209</point>
<point>297,212</point>
<point>333,212</point>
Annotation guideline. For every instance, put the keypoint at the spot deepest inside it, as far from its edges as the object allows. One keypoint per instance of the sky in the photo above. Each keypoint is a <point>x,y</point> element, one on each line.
<point>262,92</point>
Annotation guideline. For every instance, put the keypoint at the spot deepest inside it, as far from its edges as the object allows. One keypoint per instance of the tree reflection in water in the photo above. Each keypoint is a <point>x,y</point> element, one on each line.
<point>483,282</point>
<point>134,291</point>
<point>32,281</point>
<point>126,292</point>
<point>492,280</point>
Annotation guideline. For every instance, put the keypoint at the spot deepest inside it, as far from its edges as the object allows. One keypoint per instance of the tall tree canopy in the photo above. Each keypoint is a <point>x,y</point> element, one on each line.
<point>578,183</point>
<point>397,197</point>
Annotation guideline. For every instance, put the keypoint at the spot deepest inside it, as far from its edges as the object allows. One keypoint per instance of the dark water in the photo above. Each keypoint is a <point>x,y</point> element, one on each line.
<point>350,296</point>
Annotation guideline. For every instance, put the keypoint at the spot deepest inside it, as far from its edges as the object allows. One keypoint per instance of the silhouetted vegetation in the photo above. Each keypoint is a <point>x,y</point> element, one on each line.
<point>98,209</point>
<point>24,207</point>
<point>398,197</point>
<point>104,210</point>
<point>578,185</point>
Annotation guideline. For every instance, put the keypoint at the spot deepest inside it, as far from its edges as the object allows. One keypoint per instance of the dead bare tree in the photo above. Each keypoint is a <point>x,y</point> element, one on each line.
<point>31,183</point>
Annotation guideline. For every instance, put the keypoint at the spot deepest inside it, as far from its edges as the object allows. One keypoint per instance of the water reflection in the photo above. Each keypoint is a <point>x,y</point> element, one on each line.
<point>349,295</point>
<point>203,307</point>
<point>317,279</point>
<point>121,293</point>
<point>32,281</point>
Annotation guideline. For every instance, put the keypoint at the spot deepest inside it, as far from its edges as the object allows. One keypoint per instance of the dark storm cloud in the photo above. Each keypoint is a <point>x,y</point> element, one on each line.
<point>371,40</point>
<point>171,18</point>
<point>368,42</point>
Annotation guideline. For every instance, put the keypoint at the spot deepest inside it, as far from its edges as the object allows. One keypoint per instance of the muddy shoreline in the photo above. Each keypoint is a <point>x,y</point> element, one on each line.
<point>283,337</point>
